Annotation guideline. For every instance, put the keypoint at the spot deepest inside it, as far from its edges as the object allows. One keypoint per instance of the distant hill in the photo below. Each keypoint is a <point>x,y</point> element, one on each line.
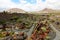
<point>15,10</point>
<point>47,10</point>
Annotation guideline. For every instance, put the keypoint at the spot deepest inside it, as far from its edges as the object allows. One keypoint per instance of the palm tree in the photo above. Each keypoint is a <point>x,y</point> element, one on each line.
<point>5,12</point>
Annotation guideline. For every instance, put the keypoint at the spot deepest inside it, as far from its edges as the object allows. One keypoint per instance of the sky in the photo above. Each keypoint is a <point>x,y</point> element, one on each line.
<point>29,5</point>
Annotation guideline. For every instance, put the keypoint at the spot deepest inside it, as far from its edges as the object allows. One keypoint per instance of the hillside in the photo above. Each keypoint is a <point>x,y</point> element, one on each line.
<point>15,10</point>
<point>47,10</point>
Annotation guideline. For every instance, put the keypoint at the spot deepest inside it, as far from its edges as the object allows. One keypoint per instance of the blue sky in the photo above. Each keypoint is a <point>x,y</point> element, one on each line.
<point>30,5</point>
<point>31,1</point>
<point>43,0</point>
<point>28,1</point>
<point>15,1</point>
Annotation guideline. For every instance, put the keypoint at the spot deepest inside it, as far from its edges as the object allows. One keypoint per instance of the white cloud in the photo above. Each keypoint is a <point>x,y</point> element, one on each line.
<point>55,4</point>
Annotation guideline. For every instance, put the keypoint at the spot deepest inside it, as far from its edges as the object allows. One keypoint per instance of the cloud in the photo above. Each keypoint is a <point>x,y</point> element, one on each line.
<point>54,4</point>
<point>23,4</point>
